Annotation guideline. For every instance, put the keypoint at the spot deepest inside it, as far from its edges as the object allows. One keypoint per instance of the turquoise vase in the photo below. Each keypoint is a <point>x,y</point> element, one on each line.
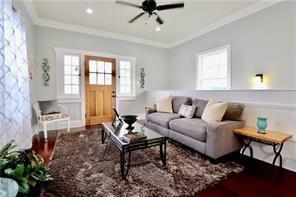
<point>262,125</point>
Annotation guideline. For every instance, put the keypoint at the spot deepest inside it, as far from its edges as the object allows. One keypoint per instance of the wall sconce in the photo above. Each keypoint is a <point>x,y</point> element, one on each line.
<point>259,82</point>
<point>259,78</point>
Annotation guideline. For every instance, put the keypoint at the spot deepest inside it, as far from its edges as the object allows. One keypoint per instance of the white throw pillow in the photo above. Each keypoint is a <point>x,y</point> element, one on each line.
<point>187,111</point>
<point>214,111</point>
<point>164,104</point>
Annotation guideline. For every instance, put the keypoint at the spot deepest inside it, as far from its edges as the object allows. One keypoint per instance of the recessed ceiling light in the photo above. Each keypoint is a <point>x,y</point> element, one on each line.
<point>89,11</point>
<point>157,29</point>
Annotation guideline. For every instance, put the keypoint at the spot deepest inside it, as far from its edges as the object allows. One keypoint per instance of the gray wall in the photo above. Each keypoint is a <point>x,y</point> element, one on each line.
<point>153,59</point>
<point>263,42</point>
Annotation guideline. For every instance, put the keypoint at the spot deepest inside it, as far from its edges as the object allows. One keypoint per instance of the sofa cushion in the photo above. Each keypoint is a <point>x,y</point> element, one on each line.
<point>200,106</point>
<point>178,101</point>
<point>214,111</point>
<point>164,104</point>
<point>161,118</point>
<point>195,127</point>
<point>187,111</point>
<point>234,111</point>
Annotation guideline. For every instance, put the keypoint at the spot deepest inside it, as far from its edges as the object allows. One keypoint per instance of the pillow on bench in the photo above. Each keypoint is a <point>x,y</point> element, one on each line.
<point>48,107</point>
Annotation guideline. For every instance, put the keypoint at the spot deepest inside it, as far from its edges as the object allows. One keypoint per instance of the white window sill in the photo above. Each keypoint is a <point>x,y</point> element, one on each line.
<point>126,98</point>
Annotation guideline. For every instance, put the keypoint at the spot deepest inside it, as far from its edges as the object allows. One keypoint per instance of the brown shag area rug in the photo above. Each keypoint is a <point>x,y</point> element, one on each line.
<point>82,166</point>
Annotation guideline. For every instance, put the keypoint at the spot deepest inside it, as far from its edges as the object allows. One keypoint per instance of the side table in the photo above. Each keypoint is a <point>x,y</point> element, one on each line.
<point>272,138</point>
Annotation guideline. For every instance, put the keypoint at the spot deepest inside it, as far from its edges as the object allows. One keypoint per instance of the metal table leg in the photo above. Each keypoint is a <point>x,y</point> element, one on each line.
<point>162,152</point>
<point>277,148</point>
<point>247,145</point>
<point>104,135</point>
<point>124,171</point>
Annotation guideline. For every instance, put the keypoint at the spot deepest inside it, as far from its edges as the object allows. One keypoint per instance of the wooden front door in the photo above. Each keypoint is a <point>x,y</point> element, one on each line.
<point>100,86</point>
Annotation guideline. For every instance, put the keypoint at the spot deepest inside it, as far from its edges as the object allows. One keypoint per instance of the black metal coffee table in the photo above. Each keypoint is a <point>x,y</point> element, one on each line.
<point>116,133</point>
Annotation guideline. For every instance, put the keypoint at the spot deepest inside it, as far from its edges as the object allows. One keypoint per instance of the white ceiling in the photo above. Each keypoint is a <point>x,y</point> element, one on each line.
<point>111,17</point>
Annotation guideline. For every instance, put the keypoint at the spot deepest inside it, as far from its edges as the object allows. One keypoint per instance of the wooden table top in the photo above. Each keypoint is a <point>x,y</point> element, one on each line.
<point>269,136</point>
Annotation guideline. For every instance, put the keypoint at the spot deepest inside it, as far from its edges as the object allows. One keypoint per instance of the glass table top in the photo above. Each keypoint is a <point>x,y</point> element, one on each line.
<point>118,130</point>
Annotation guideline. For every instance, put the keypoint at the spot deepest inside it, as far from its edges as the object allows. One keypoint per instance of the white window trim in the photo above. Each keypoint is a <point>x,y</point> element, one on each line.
<point>198,72</point>
<point>59,61</point>
<point>132,96</point>
<point>60,76</point>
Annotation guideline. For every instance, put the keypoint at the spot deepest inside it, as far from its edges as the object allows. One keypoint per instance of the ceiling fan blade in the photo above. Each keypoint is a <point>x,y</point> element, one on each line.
<point>128,4</point>
<point>170,6</point>
<point>136,17</point>
<point>158,19</point>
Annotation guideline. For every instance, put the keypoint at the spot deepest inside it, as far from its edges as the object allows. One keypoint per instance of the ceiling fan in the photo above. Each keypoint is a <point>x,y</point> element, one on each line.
<point>150,7</point>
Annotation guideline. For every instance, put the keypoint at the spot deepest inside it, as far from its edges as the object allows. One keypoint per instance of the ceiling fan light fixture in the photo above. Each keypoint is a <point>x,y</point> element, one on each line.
<point>89,11</point>
<point>157,29</point>
<point>150,7</point>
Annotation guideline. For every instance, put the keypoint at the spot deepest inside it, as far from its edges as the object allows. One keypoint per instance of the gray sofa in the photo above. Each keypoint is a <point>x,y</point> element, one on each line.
<point>214,139</point>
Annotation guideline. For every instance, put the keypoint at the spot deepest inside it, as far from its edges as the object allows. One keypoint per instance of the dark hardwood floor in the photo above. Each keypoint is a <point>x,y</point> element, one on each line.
<point>258,178</point>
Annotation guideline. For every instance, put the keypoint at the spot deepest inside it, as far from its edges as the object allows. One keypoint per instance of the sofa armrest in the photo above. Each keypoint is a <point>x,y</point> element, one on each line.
<point>148,111</point>
<point>220,138</point>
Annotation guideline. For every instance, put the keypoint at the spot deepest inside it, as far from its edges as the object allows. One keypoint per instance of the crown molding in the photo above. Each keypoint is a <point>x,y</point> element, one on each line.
<point>31,10</point>
<point>97,32</point>
<point>94,31</point>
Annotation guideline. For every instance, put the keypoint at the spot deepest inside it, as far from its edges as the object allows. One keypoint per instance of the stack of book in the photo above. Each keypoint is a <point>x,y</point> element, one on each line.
<point>134,137</point>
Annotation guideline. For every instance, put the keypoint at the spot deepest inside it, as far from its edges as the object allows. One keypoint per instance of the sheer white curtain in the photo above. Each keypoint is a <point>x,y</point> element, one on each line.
<point>15,110</point>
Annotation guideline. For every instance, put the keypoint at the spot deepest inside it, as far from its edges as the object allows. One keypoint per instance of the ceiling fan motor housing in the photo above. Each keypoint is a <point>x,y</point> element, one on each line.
<point>149,6</point>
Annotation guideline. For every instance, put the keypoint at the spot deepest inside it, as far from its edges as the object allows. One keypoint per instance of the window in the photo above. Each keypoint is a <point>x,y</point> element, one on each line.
<point>214,69</point>
<point>125,77</point>
<point>100,73</point>
<point>71,74</point>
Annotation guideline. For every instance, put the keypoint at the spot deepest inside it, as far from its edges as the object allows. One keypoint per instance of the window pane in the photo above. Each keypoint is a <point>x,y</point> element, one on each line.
<point>75,60</point>
<point>122,81</point>
<point>128,81</point>
<point>122,65</point>
<point>128,66</point>
<point>67,89</point>
<point>213,68</point>
<point>100,79</point>
<point>128,73</point>
<point>67,60</point>
<point>108,67</point>
<point>67,70</point>
<point>122,73</point>
<point>92,66</point>
<point>75,89</point>
<point>92,78</point>
<point>215,84</point>
<point>108,79</point>
<point>123,89</point>
<point>75,80</point>
<point>128,89</point>
<point>71,74</point>
<point>75,70</point>
<point>67,79</point>
<point>100,66</point>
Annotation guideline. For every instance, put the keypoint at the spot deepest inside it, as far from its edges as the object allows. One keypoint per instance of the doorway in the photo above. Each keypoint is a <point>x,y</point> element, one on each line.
<point>100,89</point>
